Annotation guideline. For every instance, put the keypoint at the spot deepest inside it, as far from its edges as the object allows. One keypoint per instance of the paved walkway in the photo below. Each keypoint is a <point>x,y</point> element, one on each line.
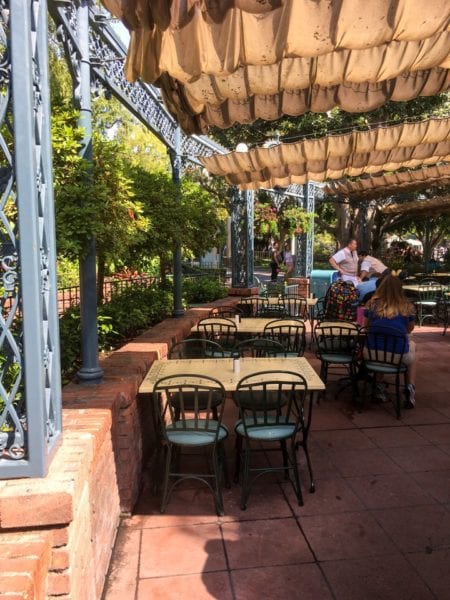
<point>378,526</point>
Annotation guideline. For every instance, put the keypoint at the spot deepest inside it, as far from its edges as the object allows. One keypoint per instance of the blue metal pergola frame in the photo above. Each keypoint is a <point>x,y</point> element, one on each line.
<point>30,381</point>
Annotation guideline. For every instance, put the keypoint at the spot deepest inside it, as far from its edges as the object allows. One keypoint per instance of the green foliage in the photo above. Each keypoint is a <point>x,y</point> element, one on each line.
<point>320,124</point>
<point>194,220</point>
<point>68,272</point>
<point>103,207</point>
<point>203,289</point>
<point>122,318</point>
<point>287,220</point>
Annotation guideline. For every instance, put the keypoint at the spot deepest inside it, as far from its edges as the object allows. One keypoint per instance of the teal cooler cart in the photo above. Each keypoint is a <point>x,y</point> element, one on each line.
<point>320,280</point>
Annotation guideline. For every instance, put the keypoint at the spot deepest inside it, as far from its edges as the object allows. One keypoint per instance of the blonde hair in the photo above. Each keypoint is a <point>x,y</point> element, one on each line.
<point>389,299</point>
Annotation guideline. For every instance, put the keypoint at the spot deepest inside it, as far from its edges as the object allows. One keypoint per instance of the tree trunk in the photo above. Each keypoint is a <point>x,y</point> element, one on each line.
<point>344,223</point>
<point>363,225</point>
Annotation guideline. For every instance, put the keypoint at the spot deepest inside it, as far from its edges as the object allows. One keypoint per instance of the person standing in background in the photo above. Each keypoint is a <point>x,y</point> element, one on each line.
<point>275,263</point>
<point>288,261</point>
<point>346,262</point>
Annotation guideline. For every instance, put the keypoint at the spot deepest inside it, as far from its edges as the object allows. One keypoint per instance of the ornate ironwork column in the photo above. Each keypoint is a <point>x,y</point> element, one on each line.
<point>30,382</point>
<point>242,238</point>
<point>305,241</point>
<point>176,161</point>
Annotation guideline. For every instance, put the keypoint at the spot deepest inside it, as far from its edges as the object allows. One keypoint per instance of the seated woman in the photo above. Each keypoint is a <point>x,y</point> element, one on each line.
<point>389,307</point>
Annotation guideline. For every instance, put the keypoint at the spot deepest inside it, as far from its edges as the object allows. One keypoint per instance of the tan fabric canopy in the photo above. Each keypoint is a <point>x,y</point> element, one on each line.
<point>235,61</point>
<point>384,185</point>
<point>436,205</point>
<point>385,148</point>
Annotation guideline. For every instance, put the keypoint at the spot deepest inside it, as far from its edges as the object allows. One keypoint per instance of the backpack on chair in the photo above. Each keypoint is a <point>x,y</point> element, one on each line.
<point>341,301</point>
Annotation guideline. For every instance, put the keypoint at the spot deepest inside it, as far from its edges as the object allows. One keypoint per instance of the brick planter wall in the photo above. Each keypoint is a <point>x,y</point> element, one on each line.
<point>57,533</point>
<point>303,285</point>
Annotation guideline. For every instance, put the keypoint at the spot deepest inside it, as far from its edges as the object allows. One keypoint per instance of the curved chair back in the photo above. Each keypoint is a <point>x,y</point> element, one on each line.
<point>384,345</point>
<point>196,348</point>
<point>260,348</point>
<point>218,329</point>
<point>295,306</point>
<point>273,400</point>
<point>291,333</point>
<point>336,338</point>
<point>319,309</point>
<point>253,306</point>
<point>429,291</point>
<point>190,408</point>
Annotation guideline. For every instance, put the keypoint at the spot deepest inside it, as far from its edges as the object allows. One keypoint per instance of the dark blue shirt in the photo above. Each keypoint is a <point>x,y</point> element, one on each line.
<point>398,323</point>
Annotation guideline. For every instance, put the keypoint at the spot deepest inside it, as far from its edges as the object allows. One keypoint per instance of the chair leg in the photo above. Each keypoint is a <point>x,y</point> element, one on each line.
<point>285,458</point>
<point>245,477</point>
<point>238,452</point>
<point>354,382</point>
<point>165,492</point>
<point>217,468</point>
<point>397,396</point>
<point>304,444</point>
<point>324,377</point>
<point>296,482</point>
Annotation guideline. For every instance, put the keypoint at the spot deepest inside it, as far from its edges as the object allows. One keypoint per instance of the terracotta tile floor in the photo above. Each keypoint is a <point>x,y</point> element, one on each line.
<point>378,525</point>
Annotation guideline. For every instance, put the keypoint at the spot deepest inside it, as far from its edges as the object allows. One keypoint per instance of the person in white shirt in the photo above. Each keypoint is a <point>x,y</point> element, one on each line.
<point>346,262</point>
<point>371,266</point>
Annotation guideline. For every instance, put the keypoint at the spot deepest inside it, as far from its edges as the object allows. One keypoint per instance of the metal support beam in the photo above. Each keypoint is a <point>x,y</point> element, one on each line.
<point>30,386</point>
<point>107,59</point>
<point>176,161</point>
<point>305,241</point>
<point>242,238</point>
<point>90,371</point>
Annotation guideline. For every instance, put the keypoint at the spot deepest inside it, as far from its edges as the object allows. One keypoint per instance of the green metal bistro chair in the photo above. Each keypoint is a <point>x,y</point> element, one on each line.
<point>195,348</point>
<point>187,426</point>
<point>271,411</point>
<point>428,295</point>
<point>191,349</point>
<point>220,330</point>
<point>337,344</point>
<point>442,310</point>
<point>383,351</point>
<point>291,333</point>
<point>295,306</point>
<point>252,305</point>
<point>319,310</point>
<point>260,347</point>
<point>229,312</point>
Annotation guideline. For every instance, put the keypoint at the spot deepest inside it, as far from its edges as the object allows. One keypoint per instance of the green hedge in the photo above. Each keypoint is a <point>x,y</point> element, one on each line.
<point>123,318</point>
<point>127,314</point>
<point>203,289</point>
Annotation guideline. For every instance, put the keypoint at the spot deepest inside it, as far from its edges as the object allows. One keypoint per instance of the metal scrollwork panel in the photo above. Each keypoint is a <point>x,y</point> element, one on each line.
<point>107,62</point>
<point>241,238</point>
<point>30,387</point>
<point>13,420</point>
<point>305,241</point>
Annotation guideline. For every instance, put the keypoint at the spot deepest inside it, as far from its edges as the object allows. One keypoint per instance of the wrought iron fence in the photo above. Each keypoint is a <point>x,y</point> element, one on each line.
<point>70,296</point>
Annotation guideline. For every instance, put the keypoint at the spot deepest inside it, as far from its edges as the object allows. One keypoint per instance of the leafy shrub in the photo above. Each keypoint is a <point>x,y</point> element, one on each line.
<point>123,317</point>
<point>68,272</point>
<point>203,289</point>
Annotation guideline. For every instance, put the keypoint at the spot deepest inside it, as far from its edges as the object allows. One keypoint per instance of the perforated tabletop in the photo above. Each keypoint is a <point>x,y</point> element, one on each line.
<point>222,369</point>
